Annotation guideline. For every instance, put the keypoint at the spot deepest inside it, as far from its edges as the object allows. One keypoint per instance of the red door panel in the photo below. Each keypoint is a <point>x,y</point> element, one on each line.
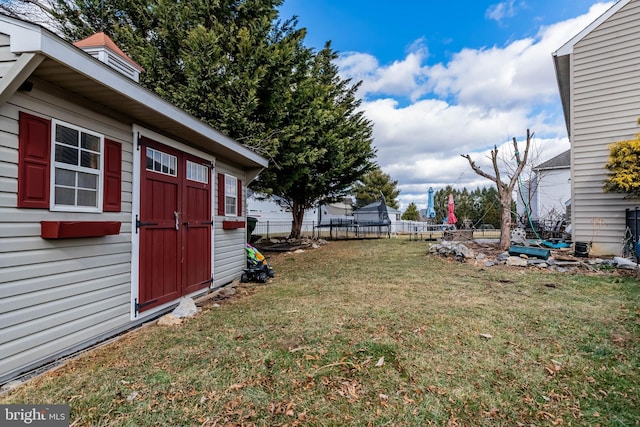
<point>197,230</point>
<point>175,219</point>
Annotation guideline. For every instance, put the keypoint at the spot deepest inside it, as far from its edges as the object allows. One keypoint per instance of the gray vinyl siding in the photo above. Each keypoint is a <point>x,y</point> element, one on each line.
<point>229,253</point>
<point>7,58</point>
<point>58,295</point>
<point>605,109</point>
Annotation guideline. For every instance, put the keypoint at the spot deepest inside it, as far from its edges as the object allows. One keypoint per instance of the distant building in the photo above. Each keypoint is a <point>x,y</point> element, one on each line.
<point>548,191</point>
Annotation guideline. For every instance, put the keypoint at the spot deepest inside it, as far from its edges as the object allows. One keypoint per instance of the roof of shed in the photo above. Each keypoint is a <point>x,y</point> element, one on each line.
<point>49,58</point>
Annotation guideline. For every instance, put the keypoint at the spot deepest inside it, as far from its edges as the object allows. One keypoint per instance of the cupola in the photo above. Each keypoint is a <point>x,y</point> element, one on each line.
<point>101,47</point>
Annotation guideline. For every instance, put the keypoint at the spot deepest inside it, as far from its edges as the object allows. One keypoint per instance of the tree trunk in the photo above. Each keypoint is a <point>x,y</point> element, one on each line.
<point>296,224</point>
<point>505,189</point>
<point>505,221</point>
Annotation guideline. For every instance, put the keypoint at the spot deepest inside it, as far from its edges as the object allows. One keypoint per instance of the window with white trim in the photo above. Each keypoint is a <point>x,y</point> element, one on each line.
<point>197,172</point>
<point>161,162</point>
<point>77,172</point>
<point>230,195</point>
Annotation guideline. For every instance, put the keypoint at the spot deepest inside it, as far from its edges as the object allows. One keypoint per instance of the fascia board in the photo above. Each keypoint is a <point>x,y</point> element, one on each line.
<point>567,48</point>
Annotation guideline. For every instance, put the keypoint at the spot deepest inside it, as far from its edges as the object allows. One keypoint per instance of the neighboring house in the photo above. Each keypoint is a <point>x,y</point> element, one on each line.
<point>599,83</point>
<point>548,191</point>
<point>113,203</point>
<point>276,211</point>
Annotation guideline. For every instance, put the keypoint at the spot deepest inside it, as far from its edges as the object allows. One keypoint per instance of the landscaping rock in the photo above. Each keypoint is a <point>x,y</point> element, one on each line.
<point>186,308</point>
<point>503,256</point>
<point>559,260</point>
<point>516,261</point>
<point>169,320</point>
<point>448,248</point>
<point>227,292</point>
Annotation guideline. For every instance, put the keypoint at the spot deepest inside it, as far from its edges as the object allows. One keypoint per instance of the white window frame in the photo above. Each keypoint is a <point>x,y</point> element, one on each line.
<point>166,160</point>
<point>76,168</point>
<point>227,194</point>
<point>197,172</point>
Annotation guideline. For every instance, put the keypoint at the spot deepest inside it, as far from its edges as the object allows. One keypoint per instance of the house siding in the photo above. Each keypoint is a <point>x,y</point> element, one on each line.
<point>57,295</point>
<point>605,99</point>
<point>230,256</point>
<point>552,193</point>
<point>7,58</point>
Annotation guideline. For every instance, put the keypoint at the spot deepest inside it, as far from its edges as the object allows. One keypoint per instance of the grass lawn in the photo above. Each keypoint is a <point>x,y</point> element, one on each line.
<point>374,332</point>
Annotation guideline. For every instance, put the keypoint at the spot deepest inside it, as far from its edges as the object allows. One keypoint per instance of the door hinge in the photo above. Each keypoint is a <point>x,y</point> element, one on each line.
<point>138,306</point>
<point>140,224</point>
<point>139,142</point>
<point>206,281</point>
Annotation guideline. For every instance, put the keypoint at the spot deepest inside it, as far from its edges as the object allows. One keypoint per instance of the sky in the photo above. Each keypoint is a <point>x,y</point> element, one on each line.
<point>441,79</point>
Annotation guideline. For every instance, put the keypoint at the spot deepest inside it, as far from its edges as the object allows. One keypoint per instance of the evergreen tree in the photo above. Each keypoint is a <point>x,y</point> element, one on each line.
<point>375,184</point>
<point>236,66</point>
<point>411,214</point>
<point>325,143</point>
<point>227,62</point>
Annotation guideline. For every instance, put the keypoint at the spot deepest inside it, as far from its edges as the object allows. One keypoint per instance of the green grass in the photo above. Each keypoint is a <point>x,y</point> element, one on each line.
<point>374,332</point>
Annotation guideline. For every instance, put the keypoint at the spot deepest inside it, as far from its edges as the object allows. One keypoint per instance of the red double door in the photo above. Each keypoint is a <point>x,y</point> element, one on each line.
<point>174,225</point>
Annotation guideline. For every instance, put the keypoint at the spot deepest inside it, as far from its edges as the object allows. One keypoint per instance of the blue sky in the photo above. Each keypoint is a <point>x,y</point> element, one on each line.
<point>442,79</point>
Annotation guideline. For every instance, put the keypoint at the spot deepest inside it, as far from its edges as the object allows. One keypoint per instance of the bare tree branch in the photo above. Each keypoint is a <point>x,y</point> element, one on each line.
<point>505,190</point>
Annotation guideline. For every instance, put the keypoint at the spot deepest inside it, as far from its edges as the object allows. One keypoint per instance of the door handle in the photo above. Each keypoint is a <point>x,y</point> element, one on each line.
<point>175,215</point>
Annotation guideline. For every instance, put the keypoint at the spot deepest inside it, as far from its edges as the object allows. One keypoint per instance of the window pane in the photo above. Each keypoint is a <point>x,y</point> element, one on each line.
<point>172,165</point>
<point>231,186</point>
<point>65,196</point>
<point>90,160</point>
<point>67,135</point>
<point>87,180</point>
<point>197,172</point>
<point>65,177</point>
<point>149,159</point>
<point>66,155</point>
<point>165,163</point>
<point>157,161</point>
<point>87,198</point>
<point>230,206</point>
<point>90,142</point>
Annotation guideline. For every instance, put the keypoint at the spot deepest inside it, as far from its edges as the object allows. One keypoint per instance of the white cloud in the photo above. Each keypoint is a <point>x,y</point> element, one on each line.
<point>480,98</point>
<point>401,78</point>
<point>500,11</point>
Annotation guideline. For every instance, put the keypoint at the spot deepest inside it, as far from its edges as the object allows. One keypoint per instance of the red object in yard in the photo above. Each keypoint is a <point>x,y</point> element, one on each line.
<point>451,219</point>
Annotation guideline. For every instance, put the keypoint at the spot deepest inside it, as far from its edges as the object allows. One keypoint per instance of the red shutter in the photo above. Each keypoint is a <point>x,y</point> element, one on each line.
<point>221,198</point>
<point>112,176</point>
<point>239,197</point>
<point>34,157</point>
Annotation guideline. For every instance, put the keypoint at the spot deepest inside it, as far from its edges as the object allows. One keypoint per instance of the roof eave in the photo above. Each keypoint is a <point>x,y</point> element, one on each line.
<point>562,58</point>
<point>562,66</point>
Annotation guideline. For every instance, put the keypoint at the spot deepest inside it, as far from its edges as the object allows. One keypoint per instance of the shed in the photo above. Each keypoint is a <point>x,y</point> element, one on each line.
<point>114,203</point>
